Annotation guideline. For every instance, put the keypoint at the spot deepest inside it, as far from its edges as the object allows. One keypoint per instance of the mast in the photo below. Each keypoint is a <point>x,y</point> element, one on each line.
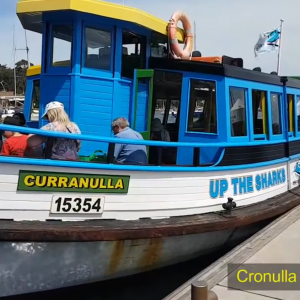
<point>14,49</point>
<point>27,50</point>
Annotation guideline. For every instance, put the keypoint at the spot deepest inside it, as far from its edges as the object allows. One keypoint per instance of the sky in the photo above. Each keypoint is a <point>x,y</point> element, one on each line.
<point>223,27</point>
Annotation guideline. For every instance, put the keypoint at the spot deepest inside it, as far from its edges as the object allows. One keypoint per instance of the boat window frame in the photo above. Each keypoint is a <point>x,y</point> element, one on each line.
<point>243,138</point>
<point>188,107</point>
<point>93,71</point>
<point>297,130</point>
<point>260,136</point>
<point>291,122</point>
<point>273,136</point>
<point>143,64</point>
<point>50,69</point>
<point>33,92</point>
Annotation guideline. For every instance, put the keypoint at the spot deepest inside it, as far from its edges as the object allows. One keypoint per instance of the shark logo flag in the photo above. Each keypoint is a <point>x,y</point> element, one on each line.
<point>267,42</point>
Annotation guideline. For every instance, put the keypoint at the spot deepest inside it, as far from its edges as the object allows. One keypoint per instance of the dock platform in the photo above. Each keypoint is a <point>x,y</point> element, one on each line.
<point>278,243</point>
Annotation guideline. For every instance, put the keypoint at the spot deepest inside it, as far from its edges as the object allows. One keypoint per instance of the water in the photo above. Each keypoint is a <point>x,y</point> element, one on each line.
<point>153,285</point>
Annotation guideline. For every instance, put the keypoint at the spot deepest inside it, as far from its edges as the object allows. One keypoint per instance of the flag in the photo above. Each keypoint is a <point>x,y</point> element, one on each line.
<point>267,42</point>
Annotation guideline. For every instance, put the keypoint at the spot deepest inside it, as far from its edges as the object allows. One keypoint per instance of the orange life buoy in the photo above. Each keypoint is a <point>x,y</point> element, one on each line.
<point>184,53</point>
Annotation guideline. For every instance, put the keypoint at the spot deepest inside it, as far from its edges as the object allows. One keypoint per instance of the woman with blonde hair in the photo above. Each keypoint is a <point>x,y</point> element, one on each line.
<point>57,148</point>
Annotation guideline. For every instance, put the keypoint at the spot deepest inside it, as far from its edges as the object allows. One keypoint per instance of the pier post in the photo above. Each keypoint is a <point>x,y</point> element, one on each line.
<point>199,291</point>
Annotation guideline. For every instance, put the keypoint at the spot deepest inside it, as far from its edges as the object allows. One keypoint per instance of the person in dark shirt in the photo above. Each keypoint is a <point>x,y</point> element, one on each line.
<point>21,118</point>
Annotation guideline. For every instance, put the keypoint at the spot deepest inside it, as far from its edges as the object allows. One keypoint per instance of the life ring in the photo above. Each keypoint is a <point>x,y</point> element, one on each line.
<point>184,53</point>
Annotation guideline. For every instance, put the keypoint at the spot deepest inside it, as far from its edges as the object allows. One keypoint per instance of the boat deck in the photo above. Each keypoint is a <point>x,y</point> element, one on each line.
<point>278,243</point>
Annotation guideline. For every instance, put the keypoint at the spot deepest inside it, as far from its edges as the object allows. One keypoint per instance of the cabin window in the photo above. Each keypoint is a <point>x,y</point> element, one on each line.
<point>298,112</point>
<point>62,36</point>
<point>167,88</point>
<point>276,114</point>
<point>202,116</point>
<point>237,107</point>
<point>259,109</point>
<point>35,101</point>
<point>290,106</point>
<point>159,45</point>
<point>133,53</point>
<point>97,49</point>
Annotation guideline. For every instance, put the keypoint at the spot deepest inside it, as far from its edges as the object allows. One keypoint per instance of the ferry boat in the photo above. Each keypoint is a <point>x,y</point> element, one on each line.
<point>230,171</point>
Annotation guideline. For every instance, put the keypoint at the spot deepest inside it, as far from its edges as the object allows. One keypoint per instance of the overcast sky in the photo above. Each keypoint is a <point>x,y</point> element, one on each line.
<point>223,27</point>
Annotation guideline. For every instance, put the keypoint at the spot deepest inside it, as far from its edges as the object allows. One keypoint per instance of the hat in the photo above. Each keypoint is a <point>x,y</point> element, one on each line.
<point>156,125</point>
<point>52,105</point>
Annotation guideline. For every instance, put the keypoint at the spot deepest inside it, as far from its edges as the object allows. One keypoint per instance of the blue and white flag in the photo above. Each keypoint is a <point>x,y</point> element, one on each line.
<point>268,42</point>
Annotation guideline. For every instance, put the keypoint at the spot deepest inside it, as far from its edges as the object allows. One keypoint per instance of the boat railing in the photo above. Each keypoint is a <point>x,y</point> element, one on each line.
<point>111,141</point>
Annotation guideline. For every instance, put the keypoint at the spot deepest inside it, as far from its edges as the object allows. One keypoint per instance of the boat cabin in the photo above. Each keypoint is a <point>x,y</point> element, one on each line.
<point>103,61</point>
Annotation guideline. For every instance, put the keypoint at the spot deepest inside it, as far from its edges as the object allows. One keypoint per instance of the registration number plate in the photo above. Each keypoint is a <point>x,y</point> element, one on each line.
<point>77,205</point>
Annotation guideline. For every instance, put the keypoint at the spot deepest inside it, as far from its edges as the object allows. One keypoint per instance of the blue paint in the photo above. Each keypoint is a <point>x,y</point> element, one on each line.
<point>270,179</point>
<point>85,137</point>
<point>28,96</point>
<point>247,184</point>
<point>95,166</point>
<point>54,88</point>
<point>121,100</point>
<point>94,97</point>
<point>141,117</point>
<point>93,112</point>
<point>185,156</point>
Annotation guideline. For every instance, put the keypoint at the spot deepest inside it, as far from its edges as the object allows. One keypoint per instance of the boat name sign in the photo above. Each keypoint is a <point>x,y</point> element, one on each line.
<point>246,184</point>
<point>72,183</point>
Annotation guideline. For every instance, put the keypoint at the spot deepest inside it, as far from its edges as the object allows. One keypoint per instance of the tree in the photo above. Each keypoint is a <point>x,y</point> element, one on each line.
<point>7,77</point>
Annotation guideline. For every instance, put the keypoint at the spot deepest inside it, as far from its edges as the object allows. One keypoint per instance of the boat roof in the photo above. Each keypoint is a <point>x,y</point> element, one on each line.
<point>30,13</point>
<point>34,70</point>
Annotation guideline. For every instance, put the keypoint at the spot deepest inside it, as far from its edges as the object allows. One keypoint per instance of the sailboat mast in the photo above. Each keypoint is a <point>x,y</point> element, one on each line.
<point>14,49</point>
<point>27,50</point>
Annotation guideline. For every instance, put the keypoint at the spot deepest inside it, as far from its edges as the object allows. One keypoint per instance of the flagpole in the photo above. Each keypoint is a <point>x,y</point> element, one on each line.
<point>195,35</point>
<point>279,50</point>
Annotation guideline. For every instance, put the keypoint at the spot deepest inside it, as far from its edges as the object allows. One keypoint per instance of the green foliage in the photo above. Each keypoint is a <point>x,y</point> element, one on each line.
<point>7,77</point>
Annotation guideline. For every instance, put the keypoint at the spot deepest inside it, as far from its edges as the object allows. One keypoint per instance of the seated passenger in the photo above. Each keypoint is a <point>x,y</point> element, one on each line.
<point>21,118</point>
<point>57,148</point>
<point>126,153</point>
<point>15,143</point>
<point>158,132</point>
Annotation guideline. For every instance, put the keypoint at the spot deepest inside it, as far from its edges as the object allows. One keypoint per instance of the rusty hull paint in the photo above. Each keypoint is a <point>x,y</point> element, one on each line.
<point>152,252</point>
<point>116,257</point>
<point>124,250</point>
<point>113,230</point>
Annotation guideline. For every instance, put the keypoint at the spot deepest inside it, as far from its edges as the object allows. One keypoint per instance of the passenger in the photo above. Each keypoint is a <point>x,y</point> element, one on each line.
<point>21,118</point>
<point>15,143</point>
<point>1,138</point>
<point>126,153</point>
<point>57,148</point>
<point>158,132</point>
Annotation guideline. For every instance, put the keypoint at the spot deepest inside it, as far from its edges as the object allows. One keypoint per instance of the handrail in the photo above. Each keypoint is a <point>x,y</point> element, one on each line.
<point>114,140</point>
